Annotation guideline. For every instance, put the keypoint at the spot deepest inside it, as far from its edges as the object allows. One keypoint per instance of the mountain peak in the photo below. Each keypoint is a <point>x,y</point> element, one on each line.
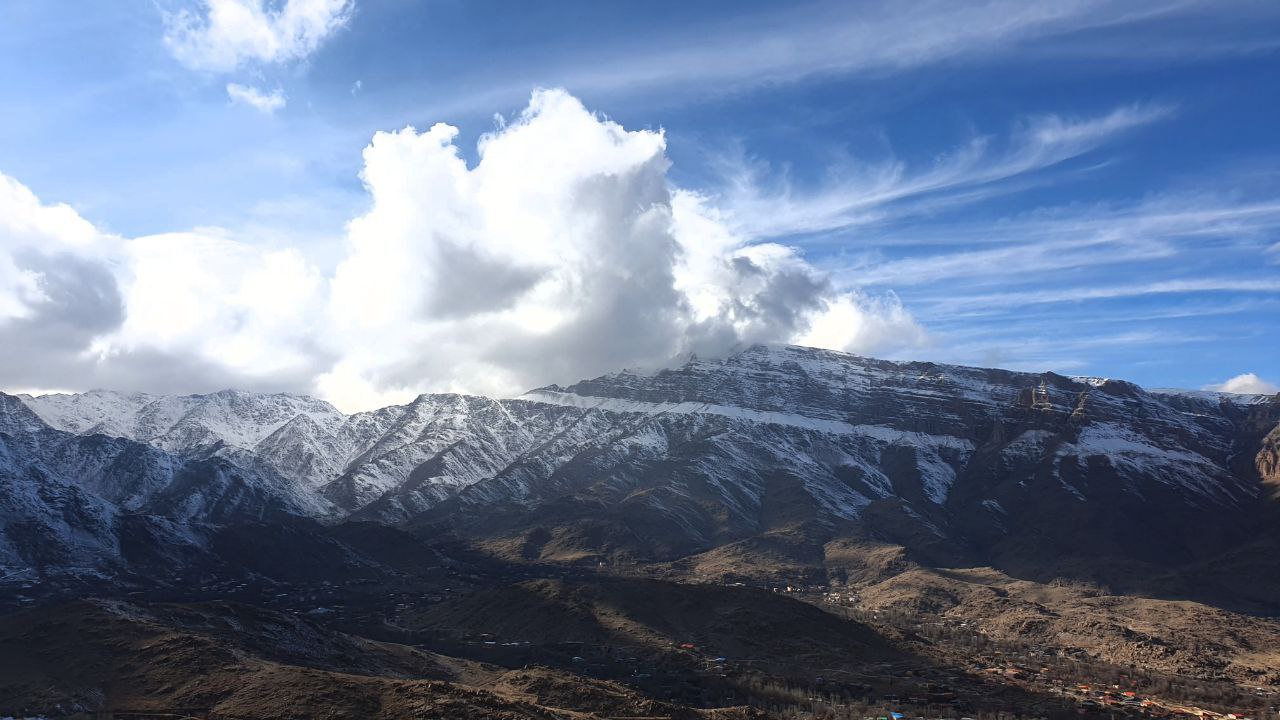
<point>16,417</point>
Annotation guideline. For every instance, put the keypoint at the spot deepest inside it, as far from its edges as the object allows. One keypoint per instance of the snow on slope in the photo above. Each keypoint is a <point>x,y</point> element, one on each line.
<point>1144,456</point>
<point>849,430</point>
<point>52,522</point>
<point>138,477</point>
<point>936,473</point>
<point>618,405</point>
<point>295,436</point>
<point>1215,396</point>
<point>236,418</point>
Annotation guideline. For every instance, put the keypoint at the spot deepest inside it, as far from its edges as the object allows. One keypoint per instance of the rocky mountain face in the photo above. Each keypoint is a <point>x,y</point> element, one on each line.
<point>94,506</point>
<point>956,464</point>
<point>960,464</point>
<point>1268,460</point>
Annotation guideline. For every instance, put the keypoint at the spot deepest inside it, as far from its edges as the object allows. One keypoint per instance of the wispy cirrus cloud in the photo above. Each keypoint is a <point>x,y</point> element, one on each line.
<point>858,194</point>
<point>991,290</point>
<point>813,42</point>
<point>1158,279</point>
<point>804,40</point>
<point>1074,238</point>
<point>1110,292</point>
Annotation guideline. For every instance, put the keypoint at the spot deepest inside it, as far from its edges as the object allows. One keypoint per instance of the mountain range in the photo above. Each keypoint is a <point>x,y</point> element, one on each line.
<point>775,455</point>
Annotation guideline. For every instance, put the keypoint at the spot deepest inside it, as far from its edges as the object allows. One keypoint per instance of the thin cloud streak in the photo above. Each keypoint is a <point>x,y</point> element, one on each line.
<point>807,42</point>
<point>1030,317</point>
<point>863,195</point>
<point>885,38</point>
<point>1077,294</point>
<point>264,102</point>
<point>1021,351</point>
<point>1068,238</point>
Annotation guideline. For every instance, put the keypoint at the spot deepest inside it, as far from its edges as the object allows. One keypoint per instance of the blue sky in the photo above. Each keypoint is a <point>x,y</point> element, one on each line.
<point>1083,187</point>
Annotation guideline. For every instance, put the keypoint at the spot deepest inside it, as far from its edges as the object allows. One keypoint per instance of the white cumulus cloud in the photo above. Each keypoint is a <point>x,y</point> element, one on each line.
<point>562,252</point>
<point>1246,384</point>
<point>267,102</point>
<point>253,311</point>
<point>222,35</point>
<point>188,311</point>
<point>29,231</point>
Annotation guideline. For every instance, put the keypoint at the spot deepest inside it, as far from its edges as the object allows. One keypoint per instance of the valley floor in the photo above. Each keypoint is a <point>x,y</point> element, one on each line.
<point>488,639</point>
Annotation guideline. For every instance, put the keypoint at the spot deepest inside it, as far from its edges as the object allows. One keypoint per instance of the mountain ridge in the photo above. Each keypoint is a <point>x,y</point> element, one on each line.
<point>956,463</point>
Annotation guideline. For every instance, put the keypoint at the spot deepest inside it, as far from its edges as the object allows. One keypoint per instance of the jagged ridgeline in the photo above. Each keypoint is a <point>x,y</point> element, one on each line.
<point>772,452</point>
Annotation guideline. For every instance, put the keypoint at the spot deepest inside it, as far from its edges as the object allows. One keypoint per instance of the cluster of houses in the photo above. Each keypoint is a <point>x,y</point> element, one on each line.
<point>1114,697</point>
<point>846,598</point>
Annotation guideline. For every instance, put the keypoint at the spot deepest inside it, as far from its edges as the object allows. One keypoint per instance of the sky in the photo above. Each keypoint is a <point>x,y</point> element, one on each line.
<point>369,199</point>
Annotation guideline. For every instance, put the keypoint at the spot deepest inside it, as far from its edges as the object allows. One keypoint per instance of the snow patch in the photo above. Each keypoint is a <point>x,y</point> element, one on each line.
<point>1125,448</point>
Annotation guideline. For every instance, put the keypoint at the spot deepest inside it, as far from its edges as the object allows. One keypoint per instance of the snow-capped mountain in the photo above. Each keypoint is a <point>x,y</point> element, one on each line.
<point>50,515</point>
<point>949,460</point>
<point>85,503</point>
<point>288,432</point>
<point>180,473</point>
<point>927,455</point>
